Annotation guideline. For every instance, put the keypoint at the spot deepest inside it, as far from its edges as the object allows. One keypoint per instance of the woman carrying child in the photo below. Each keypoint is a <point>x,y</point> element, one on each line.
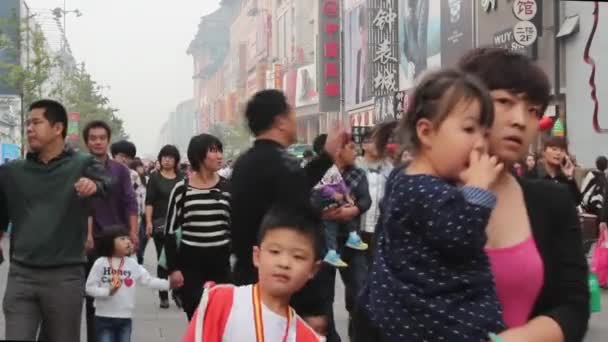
<point>532,238</point>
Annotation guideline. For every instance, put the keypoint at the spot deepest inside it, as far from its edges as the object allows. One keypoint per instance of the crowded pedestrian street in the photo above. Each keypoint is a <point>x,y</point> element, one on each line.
<point>303,171</point>
<point>158,325</point>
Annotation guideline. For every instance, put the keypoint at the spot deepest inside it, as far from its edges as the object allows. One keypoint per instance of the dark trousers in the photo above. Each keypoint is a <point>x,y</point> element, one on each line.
<point>159,240</point>
<point>110,329</point>
<point>365,331</point>
<point>90,307</point>
<point>51,297</point>
<point>198,266</point>
<point>354,277</point>
<point>143,242</point>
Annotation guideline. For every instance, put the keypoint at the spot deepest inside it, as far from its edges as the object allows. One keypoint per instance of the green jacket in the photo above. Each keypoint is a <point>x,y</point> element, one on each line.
<point>49,219</point>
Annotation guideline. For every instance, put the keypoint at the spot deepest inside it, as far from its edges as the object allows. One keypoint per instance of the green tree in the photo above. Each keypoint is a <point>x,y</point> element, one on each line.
<point>30,79</point>
<point>81,94</point>
<point>235,137</point>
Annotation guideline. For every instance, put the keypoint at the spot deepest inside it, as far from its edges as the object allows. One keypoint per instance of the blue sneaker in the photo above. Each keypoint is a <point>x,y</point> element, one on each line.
<point>333,258</point>
<point>354,241</point>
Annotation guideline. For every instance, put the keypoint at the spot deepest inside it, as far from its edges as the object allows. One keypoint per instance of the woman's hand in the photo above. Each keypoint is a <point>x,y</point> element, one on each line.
<point>149,229</point>
<point>539,329</point>
<point>176,279</point>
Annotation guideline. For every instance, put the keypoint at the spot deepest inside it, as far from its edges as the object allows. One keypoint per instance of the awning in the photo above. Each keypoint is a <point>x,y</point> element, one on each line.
<point>569,26</point>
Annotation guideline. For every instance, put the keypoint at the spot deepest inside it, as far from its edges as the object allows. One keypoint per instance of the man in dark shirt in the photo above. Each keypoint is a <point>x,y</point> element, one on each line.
<point>267,174</point>
<point>557,166</point>
<point>117,211</point>
<point>48,208</point>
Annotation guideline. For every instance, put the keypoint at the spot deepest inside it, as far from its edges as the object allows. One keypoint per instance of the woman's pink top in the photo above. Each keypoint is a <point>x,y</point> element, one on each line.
<point>518,273</point>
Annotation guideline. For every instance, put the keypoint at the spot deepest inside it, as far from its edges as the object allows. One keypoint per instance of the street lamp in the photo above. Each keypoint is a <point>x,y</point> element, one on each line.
<point>59,12</point>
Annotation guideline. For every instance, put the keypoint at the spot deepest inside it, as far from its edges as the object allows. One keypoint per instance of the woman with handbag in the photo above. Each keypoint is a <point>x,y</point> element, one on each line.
<point>158,191</point>
<point>197,243</point>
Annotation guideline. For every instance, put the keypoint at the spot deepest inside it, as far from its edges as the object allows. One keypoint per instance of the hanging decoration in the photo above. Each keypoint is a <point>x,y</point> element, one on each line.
<point>545,123</point>
<point>589,60</point>
<point>558,128</point>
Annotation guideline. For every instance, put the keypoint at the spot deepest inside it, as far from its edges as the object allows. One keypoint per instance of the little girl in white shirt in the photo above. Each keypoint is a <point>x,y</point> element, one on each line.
<point>112,283</point>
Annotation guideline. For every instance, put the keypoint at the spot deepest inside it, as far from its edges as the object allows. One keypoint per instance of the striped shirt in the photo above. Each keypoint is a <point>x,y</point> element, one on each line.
<point>205,220</point>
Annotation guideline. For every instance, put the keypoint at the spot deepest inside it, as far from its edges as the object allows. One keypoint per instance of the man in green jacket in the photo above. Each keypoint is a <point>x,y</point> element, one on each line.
<point>45,197</point>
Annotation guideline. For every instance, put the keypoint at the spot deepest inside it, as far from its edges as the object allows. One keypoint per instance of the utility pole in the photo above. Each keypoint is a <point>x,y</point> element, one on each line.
<point>556,66</point>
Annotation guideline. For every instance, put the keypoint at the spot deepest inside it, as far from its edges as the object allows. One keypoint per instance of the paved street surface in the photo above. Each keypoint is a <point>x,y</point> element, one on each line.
<point>151,324</point>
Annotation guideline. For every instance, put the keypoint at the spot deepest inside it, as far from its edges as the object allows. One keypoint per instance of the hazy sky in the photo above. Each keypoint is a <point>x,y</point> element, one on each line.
<point>138,49</point>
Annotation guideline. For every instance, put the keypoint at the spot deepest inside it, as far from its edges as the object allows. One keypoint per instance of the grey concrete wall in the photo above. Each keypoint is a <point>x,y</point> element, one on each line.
<point>585,143</point>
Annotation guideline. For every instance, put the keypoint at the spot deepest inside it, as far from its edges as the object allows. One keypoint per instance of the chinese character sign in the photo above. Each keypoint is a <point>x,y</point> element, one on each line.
<point>525,33</point>
<point>328,59</point>
<point>384,56</point>
<point>525,9</point>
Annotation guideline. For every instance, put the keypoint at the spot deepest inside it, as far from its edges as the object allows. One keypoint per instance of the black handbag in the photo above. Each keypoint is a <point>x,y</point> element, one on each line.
<point>158,226</point>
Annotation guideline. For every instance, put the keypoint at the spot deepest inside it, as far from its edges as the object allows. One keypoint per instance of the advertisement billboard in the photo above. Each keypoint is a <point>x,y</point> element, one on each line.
<point>419,39</point>
<point>357,91</point>
<point>456,30</point>
<point>306,86</point>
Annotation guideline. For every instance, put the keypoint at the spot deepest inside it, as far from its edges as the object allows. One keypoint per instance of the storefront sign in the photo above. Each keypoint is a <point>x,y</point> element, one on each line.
<point>401,104</point>
<point>328,58</point>
<point>525,33</point>
<point>384,47</point>
<point>525,9</point>
<point>73,126</point>
<point>506,39</point>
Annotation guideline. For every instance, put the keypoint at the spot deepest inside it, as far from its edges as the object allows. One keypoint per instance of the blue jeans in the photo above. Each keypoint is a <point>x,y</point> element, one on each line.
<point>109,329</point>
<point>331,234</point>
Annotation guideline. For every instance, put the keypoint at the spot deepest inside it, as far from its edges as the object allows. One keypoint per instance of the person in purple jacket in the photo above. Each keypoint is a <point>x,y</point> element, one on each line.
<point>332,192</point>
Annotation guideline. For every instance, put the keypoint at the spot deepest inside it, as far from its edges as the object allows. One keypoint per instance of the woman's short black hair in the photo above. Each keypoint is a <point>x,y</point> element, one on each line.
<point>198,148</point>
<point>105,244</point>
<point>500,68</point>
<point>169,151</point>
<point>263,108</point>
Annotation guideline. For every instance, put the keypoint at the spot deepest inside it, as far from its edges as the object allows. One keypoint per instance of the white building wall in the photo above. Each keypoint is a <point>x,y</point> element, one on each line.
<point>585,143</point>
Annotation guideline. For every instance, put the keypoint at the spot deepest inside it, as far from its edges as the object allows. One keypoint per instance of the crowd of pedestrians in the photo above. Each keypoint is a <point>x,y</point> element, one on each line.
<point>442,226</point>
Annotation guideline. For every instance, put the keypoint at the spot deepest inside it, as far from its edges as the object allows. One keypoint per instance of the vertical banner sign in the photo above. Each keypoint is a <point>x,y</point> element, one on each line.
<point>73,126</point>
<point>328,56</point>
<point>401,103</point>
<point>384,41</point>
<point>456,30</point>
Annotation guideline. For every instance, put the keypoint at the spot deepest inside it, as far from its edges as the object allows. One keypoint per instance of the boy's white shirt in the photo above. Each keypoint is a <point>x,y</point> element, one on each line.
<point>240,325</point>
<point>121,303</point>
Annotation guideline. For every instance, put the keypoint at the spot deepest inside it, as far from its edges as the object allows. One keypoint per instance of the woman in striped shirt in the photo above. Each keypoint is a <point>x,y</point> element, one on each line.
<point>200,207</point>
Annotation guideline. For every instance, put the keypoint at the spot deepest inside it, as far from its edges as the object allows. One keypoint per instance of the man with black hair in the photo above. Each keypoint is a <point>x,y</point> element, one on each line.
<point>319,143</point>
<point>124,152</point>
<point>266,174</point>
<point>119,209</point>
<point>48,208</point>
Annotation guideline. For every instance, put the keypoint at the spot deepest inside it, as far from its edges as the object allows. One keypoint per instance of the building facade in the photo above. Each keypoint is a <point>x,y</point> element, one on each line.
<point>383,48</point>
